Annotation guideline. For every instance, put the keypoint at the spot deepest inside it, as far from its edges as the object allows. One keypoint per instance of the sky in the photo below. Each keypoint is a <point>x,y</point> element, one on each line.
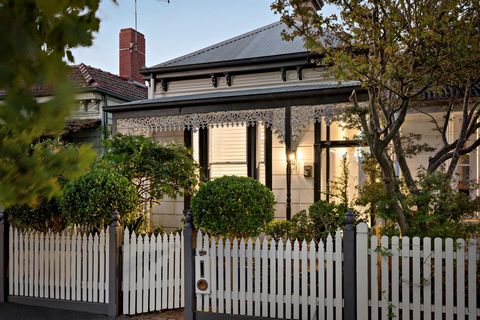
<point>171,29</point>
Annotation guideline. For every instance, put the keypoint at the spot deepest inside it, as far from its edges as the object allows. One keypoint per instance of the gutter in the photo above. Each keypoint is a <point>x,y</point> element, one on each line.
<point>234,99</point>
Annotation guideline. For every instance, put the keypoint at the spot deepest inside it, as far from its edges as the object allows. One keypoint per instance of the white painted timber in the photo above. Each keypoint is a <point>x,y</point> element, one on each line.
<point>338,277</point>
<point>61,266</point>
<point>406,287</point>
<point>152,276</point>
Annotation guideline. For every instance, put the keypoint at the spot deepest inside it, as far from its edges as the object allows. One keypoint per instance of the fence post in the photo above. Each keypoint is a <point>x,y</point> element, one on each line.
<point>189,260</point>
<point>115,265</point>
<point>349,267</point>
<point>3,256</point>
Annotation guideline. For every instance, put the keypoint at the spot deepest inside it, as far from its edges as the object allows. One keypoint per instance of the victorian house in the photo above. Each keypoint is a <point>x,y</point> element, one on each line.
<point>258,106</point>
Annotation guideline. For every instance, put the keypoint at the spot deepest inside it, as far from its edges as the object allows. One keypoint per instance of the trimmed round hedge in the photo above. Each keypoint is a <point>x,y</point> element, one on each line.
<point>91,199</point>
<point>232,206</point>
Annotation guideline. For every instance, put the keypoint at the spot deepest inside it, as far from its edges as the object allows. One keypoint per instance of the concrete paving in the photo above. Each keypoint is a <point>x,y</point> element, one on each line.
<point>13,311</point>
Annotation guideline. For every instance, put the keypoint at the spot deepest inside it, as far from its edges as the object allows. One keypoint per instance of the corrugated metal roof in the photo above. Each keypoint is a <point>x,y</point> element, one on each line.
<point>262,42</point>
<point>247,92</point>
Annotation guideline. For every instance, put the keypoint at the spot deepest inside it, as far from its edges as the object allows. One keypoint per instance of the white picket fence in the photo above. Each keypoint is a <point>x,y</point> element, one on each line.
<point>66,265</point>
<point>410,279</point>
<point>398,278</point>
<point>271,279</point>
<point>152,272</point>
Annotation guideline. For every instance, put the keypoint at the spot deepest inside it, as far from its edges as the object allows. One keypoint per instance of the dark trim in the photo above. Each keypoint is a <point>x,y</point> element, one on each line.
<point>327,163</point>
<point>342,143</point>
<point>284,75</point>
<point>349,277</point>
<point>164,84</point>
<point>203,153</point>
<point>214,80</point>
<point>300,72</point>
<point>234,71</point>
<point>224,316</point>
<point>228,79</point>
<point>252,151</point>
<point>188,143</point>
<point>115,263</point>
<point>268,157</point>
<point>89,307</point>
<point>243,102</point>
<point>3,256</point>
<point>288,151</point>
<point>189,267</point>
<point>317,161</point>
<point>250,62</point>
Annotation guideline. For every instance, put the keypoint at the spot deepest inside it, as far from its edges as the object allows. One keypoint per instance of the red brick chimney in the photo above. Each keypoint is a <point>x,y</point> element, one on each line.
<point>132,54</point>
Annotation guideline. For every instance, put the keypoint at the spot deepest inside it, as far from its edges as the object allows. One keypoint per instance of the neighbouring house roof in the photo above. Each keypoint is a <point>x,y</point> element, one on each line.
<point>263,42</point>
<point>86,78</point>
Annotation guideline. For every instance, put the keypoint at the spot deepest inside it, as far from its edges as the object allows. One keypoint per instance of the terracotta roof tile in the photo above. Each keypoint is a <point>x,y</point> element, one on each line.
<point>87,77</point>
<point>84,76</point>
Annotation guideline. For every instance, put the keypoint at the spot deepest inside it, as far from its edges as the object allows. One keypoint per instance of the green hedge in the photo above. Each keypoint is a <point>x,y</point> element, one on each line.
<point>91,199</point>
<point>232,206</point>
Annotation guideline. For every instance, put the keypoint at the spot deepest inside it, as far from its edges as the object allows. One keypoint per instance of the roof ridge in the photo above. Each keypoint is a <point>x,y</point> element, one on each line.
<point>222,43</point>
<point>86,67</point>
<point>83,68</point>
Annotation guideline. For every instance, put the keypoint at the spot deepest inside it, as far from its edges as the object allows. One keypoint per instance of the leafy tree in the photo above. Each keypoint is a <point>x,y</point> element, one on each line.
<point>36,37</point>
<point>156,170</point>
<point>90,200</point>
<point>232,206</point>
<point>398,50</point>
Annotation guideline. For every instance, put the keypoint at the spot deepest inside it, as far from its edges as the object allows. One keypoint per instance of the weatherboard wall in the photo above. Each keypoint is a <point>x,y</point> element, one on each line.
<point>241,81</point>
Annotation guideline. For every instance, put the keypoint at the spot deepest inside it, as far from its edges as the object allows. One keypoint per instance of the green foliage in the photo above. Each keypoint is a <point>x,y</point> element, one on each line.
<point>371,194</point>
<point>280,229</point>
<point>232,206</point>
<point>36,37</point>
<point>158,230</point>
<point>156,170</point>
<point>321,219</point>
<point>398,51</point>
<point>44,217</point>
<point>338,188</point>
<point>91,199</point>
<point>444,209</point>
<point>326,218</point>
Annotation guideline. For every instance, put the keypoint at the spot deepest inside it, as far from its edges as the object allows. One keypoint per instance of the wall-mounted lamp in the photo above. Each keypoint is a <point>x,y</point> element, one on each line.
<point>296,158</point>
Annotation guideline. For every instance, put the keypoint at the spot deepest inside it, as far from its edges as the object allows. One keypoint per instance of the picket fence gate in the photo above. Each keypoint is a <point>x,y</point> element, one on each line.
<point>66,265</point>
<point>152,272</point>
<point>276,279</point>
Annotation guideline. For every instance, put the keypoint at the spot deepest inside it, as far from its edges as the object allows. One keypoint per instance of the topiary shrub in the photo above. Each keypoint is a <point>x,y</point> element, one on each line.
<point>232,206</point>
<point>90,200</point>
